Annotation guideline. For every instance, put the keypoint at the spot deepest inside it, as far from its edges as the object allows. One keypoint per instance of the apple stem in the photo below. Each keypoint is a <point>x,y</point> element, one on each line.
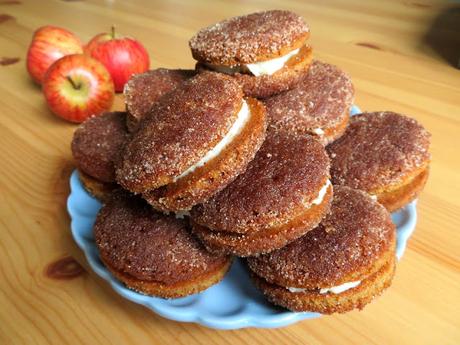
<point>113,31</point>
<point>71,81</point>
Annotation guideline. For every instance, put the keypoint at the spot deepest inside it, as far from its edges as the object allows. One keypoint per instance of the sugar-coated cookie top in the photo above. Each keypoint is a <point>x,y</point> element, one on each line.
<point>136,240</point>
<point>378,149</point>
<point>97,144</point>
<point>319,101</point>
<point>356,233</point>
<point>180,129</point>
<point>250,38</point>
<point>144,89</point>
<point>285,177</point>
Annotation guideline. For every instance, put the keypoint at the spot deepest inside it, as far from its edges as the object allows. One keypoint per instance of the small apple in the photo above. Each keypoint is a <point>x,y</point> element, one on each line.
<point>49,44</point>
<point>122,56</point>
<point>78,86</point>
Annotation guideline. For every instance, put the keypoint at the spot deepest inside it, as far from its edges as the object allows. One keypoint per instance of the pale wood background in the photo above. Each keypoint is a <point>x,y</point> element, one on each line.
<point>387,47</point>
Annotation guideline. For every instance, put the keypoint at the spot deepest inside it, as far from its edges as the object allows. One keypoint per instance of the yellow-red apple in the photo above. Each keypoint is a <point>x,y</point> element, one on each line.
<point>78,86</point>
<point>49,44</point>
<point>122,56</point>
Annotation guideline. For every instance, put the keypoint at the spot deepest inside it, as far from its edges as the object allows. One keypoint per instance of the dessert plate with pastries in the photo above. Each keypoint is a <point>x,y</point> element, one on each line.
<point>249,192</point>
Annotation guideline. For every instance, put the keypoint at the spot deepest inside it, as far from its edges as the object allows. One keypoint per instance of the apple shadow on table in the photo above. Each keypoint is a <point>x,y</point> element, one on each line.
<point>443,35</point>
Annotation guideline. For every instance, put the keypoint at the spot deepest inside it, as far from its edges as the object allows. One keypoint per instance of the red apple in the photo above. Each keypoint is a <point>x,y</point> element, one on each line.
<point>49,44</point>
<point>122,56</point>
<point>78,86</point>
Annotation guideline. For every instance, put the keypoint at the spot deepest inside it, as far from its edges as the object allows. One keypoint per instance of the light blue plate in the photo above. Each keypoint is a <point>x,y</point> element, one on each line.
<point>233,303</point>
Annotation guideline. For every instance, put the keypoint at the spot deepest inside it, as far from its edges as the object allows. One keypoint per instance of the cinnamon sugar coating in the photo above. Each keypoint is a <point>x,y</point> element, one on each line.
<point>250,38</point>
<point>180,129</point>
<point>403,194</point>
<point>99,190</point>
<point>97,144</point>
<point>378,150</point>
<point>177,290</point>
<point>347,245</point>
<point>322,100</point>
<point>282,181</point>
<point>134,239</point>
<point>217,173</point>
<point>312,301</point>
<point>144,89</point>
<point>265,240</point>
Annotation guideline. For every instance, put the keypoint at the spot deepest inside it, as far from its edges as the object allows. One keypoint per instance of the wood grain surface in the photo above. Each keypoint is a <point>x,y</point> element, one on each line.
<point>400,56</point>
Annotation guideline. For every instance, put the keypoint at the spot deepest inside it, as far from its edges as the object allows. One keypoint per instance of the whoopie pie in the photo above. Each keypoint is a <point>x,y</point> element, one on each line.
<point>385,154</point>
<point>195,140</point>
<point>283,194</point>
<point>266,52</point>
<point>153,253</point>
<point>340,265</point>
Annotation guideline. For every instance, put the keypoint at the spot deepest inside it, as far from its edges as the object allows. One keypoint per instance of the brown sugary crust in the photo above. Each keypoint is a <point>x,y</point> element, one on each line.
<point>97,144</point>
<point>250,38</point>
<point>333,133</point>
<point>181,128</point>
<point>100,190</point>
<point>322,100</point>
<point>144,89</point>
<point>354,237</point>
<point>379,151</point>
<point>284,178</point>
<point>146,245</point>
<point>266,240</point>
<point>176,290</point>
<point>284,79</point>
<point>211,178</point>
<point>396,198</point>
<point>329,303</point>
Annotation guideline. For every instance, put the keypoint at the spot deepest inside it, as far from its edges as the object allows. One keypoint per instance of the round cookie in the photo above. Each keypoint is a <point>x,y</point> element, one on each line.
<point>319,105</point>
<point>152,253</point>
<point>144,89</point>
<point>266,52</point>
<point>96,147</point>
<point>283,194</point>
<point>385,154</point>
<point>195,141</point>
<point>339,266</point>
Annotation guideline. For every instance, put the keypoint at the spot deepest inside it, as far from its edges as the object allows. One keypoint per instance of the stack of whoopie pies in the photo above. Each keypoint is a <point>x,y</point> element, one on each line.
<point>230,159</point>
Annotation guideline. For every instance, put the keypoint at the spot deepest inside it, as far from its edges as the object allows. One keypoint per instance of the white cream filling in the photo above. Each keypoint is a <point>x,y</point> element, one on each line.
<point>318,131</point>
<point>294,289</point>
<point>258,69</point>
<point>373,197</point>
<point>340,288</point>
<point>270,66</point>
<point>334,289</point>
<point>242,118</point>
<point>321,194</point>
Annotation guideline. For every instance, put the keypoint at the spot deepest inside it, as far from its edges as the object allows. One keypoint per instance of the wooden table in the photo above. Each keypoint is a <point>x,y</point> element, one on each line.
<point>396,54</point>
